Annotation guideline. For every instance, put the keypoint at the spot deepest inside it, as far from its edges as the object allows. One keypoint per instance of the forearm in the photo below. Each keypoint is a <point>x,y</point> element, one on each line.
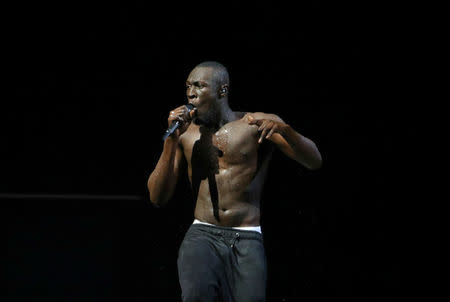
<point>162,181</point>
<point>304,150</point>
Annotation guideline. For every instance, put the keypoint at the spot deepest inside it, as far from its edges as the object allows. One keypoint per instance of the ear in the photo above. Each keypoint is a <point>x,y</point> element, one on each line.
<point>223,90</point>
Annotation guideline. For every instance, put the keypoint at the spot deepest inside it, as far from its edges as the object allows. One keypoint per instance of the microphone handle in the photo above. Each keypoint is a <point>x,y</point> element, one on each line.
<point>176,124</point>
<point>171,129</point>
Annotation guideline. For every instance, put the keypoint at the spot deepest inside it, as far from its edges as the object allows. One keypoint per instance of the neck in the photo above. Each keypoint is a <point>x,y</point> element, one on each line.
<point>222,115</point>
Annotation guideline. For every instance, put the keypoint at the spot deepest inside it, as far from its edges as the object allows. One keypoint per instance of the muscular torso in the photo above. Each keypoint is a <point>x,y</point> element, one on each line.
<point>226,168</point>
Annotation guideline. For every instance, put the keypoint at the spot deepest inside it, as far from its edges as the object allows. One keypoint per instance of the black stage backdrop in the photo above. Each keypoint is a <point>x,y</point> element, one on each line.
<point>90,89</point>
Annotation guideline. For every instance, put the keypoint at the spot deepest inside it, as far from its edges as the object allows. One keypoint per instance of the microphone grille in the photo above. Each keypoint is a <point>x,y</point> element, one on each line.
<point>190,107</point>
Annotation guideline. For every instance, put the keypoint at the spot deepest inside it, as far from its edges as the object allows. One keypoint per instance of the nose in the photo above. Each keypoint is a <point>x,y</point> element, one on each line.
<point>189,91</point>
<point>190,94</point>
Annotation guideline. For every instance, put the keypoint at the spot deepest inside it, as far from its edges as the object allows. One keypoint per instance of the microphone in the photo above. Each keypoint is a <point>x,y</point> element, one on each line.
<point>176,124</point>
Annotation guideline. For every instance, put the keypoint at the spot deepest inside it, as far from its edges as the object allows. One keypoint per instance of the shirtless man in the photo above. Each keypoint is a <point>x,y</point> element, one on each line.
<point>226,154</point>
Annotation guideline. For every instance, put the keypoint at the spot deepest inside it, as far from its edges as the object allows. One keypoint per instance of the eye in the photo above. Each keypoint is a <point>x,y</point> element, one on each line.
<point>199,84</point>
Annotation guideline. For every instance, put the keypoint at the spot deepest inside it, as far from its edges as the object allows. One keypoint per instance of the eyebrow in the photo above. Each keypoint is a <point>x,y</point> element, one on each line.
<point>201,82</point>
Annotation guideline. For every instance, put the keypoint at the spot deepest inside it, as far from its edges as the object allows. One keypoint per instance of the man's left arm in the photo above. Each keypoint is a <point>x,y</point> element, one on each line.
<point>290,142</point>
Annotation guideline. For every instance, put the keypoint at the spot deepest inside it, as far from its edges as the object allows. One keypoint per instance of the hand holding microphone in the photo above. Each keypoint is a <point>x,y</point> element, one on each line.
<point>179,120</point>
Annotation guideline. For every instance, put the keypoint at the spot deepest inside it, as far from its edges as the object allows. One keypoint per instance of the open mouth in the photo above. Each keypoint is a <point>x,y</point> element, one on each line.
<point>192,99</point>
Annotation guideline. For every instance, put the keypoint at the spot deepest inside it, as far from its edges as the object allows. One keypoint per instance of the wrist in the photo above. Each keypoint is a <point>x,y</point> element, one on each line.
<point>171,141</point>
<point>285,129</point>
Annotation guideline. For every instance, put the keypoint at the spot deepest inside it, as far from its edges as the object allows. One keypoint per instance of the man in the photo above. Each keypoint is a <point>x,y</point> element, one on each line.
<point>226,154</point>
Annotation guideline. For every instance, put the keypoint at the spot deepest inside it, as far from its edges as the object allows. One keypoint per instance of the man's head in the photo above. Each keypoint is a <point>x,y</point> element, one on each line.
<point>206,87</point>
<point>220,75</point>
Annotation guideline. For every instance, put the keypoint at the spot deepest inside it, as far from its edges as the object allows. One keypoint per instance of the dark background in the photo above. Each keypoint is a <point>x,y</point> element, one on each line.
<point>89,90</point>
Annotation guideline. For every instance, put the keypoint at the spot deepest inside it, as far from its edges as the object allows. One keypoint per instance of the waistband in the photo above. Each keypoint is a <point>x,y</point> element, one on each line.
<point>226,232</point>
<point>250,228</point>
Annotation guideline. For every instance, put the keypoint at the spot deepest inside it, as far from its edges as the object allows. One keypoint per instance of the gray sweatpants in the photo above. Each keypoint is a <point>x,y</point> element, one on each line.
<point>222,264</point>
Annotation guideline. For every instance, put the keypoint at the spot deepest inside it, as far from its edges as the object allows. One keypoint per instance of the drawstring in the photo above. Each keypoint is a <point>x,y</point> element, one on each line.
<point>234,240</point>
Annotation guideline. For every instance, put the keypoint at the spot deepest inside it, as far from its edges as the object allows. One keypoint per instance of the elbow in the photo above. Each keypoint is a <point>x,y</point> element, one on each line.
<point>316,162</point>
<point>155,197</point>
<point>158,198</point>
<point>312,164</point>
<point>157,201</point>
<point>316,165</point>
<point>159,194</point>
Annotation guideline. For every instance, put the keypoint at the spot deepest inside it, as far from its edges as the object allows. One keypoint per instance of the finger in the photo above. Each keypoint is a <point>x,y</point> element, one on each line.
<point>262,125</point>
<point>172,116</point>
<point>261,138</point>
<point>192,113</point>
<point>263,134</point>
<point>181,112</point>
<point>180,115</point>
<point>271,132</point>
<point>178,109</point>
<point>265,124</point>
<point>254,121</point>
<point>175,112</point>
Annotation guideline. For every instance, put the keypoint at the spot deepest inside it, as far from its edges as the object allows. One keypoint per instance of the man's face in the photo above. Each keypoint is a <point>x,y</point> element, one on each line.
<point>201,91</point>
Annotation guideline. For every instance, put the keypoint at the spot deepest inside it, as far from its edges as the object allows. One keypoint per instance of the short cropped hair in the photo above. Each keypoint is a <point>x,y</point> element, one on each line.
<point>220,72</point>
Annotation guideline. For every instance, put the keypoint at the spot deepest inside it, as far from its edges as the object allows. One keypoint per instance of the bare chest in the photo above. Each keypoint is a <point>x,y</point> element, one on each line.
<point>235,143</point>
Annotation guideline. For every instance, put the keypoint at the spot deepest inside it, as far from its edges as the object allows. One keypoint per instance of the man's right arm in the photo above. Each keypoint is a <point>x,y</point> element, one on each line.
<point>163,180</point>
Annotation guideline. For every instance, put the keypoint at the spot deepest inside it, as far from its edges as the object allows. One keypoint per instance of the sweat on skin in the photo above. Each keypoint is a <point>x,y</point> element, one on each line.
<point>225,153</point>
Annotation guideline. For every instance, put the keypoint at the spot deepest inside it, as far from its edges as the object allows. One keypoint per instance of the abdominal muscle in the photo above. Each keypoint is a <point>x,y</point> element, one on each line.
<point>238,198</point>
